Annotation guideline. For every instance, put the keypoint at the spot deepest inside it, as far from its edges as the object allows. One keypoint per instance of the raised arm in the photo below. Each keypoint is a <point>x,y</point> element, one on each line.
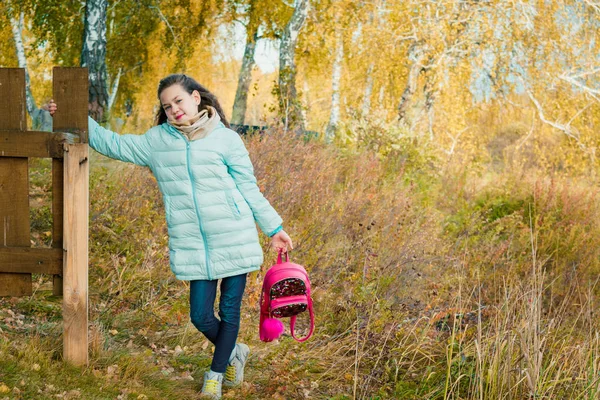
<point>129,148</point>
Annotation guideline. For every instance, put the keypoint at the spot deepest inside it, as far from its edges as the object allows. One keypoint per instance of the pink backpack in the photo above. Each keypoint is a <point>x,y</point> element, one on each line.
<point>285,293</point>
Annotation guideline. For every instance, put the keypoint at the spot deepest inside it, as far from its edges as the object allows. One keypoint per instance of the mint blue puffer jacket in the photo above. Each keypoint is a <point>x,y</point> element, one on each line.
<point>210,194</point>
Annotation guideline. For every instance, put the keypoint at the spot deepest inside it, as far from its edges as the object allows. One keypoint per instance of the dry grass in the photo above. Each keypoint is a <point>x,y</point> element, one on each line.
<point>432,279</point>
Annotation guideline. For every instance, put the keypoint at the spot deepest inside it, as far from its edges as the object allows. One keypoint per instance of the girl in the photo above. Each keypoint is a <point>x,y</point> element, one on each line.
<point>212,202</point>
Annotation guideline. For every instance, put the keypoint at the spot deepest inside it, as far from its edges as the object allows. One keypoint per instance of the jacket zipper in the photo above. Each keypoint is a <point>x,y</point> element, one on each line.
<point>197,209</point>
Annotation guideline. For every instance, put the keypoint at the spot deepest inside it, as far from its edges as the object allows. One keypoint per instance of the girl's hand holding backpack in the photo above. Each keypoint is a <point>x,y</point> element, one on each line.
<point>281,241</point>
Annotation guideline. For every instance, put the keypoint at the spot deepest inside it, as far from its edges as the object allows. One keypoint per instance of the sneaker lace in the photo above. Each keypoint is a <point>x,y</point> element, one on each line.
<point>230,373</point>
<point>211,386</point>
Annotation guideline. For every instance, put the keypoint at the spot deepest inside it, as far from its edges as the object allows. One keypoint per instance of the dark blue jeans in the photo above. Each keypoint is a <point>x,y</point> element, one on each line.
<point>222,333</point>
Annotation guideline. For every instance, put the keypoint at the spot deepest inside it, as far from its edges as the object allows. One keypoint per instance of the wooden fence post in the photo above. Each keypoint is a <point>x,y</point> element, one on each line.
<point>70,91</point>
<point>75,245</point>
<point>70,88</point>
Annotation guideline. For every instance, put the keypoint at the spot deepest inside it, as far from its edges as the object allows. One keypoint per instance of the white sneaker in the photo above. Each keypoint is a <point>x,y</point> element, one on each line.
<point>234,374</point>
<point>211,389</point>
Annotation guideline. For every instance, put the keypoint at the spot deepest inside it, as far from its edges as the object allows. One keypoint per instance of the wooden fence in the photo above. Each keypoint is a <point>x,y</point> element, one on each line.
<point>67,259</point>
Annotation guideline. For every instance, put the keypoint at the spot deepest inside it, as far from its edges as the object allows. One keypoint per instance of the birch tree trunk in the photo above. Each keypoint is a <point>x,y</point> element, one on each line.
<point>41,119</point>
<point>430,97</point>
<point>240,104</point>
<point>93,56</point>
<point>114,89</point>
<point>366,106</point>
<point>381,98</point>
<point>336,76</point>
<point>306,98</point>
<point>289,104</point>
<point>417,55</point>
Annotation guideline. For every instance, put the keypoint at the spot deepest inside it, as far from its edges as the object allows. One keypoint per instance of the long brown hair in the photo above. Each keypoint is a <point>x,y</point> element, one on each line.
<point>189,85</point>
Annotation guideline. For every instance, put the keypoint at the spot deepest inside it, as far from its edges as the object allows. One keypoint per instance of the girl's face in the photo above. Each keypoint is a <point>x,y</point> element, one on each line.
<point>178,104</point>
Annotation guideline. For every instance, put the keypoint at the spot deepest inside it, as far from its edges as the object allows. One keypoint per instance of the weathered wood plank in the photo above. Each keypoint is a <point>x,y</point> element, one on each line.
<point>75,244</point>
<point>14,143</point>
<point>31,260</point>
<point>70,90</point>
<point>14,202</point>
<point>12,103</point>
<point>14,180</point>
<point>57,219</point>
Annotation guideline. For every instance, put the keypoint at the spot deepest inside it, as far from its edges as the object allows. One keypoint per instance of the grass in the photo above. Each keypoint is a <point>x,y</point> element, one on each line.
<point>431,279</point>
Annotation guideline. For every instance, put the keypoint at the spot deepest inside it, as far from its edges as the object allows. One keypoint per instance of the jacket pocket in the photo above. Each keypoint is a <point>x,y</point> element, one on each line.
<point>235,210</point>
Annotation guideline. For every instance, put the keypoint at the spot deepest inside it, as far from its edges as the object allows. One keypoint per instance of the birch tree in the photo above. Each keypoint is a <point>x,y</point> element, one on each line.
<point>251,24</point>
<point>441,33</point>
<point>130,25</point>
<point>544,52</point>
<point>240,103</point>
<point>565,93</point>
<point>289,104</point>
<point>41,119</point>
<point>115,43</point>
<point>376,17</point>
<point>336,75</point>
<point>417,57</point>
<point>93,56</point>
<point>58,27</point>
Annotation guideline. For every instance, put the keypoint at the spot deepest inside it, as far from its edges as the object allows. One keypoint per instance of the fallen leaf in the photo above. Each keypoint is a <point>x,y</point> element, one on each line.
<point>73,394</point>
<point>112,369</point>
<point>187,375</point>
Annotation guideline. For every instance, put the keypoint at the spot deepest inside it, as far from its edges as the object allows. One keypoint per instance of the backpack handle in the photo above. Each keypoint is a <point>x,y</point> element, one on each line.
<point>312,323</point>
<point>279,260</point>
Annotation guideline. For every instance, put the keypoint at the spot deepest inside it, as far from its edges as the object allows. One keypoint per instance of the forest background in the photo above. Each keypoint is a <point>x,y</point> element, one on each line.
<point>447,207</point>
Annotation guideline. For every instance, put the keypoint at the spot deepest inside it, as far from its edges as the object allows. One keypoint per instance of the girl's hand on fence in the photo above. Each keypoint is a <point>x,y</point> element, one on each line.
<point>281,240</point>
<point>50,106</point>
<point>66,137</point>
